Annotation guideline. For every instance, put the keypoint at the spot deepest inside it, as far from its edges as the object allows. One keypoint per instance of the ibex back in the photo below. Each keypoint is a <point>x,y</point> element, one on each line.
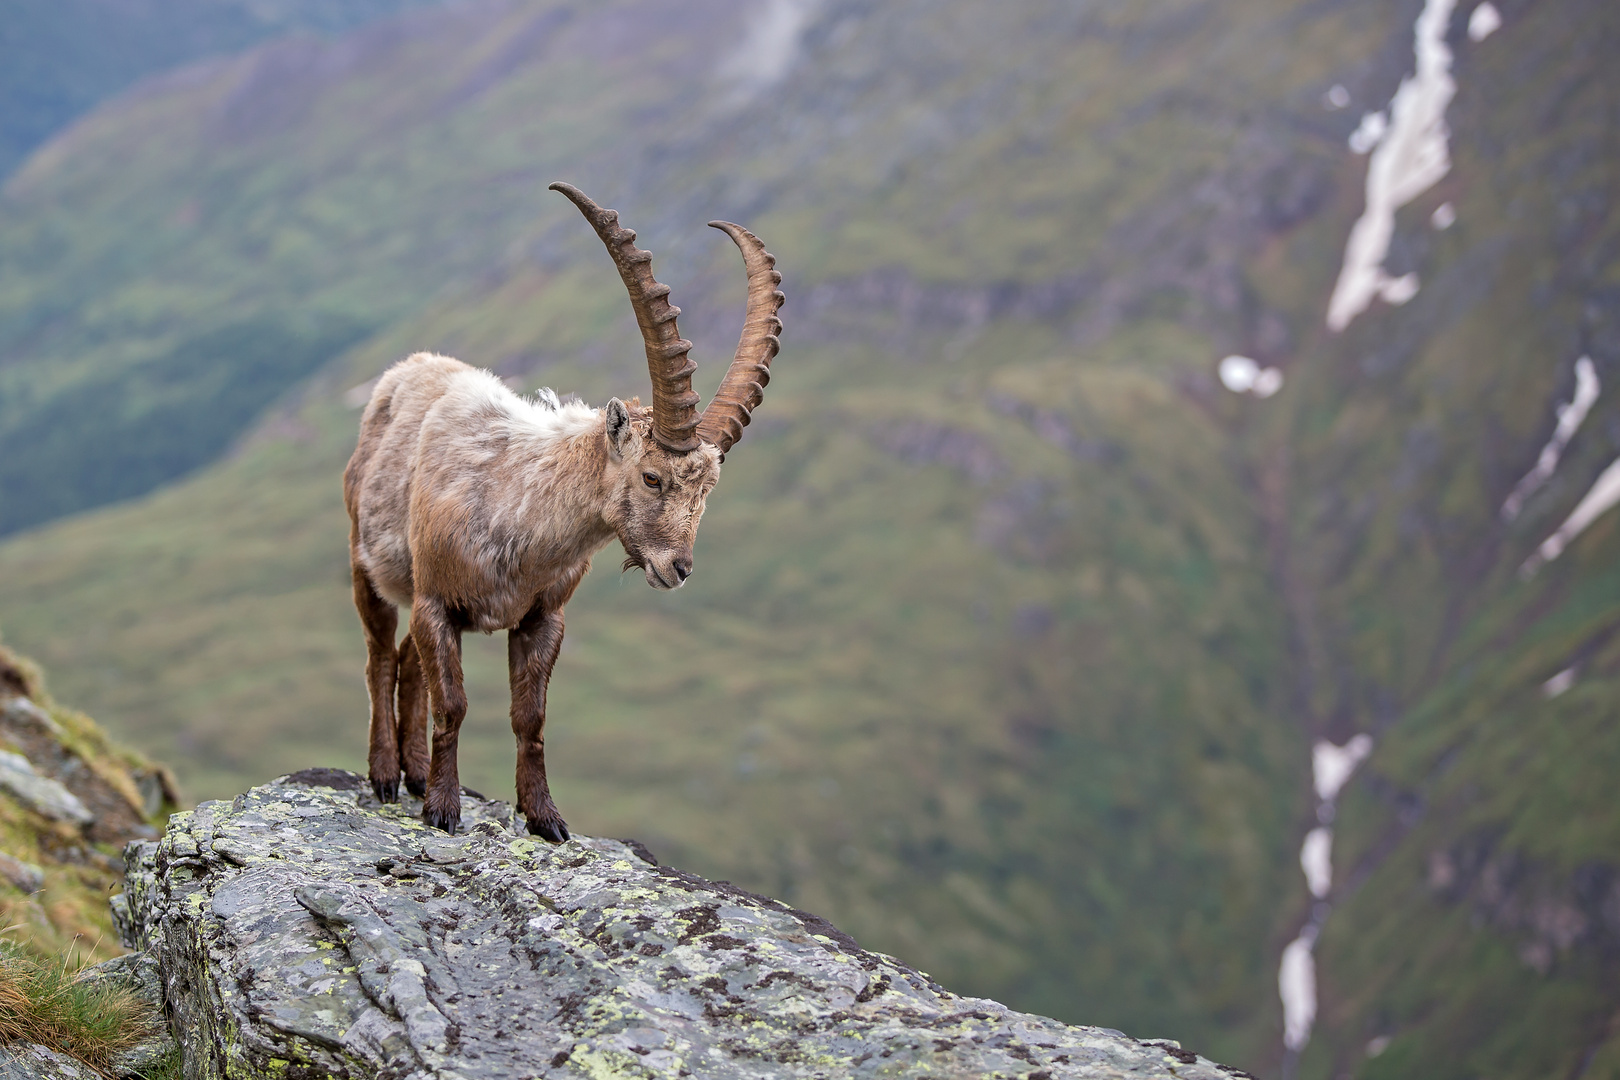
<point>480,510</point>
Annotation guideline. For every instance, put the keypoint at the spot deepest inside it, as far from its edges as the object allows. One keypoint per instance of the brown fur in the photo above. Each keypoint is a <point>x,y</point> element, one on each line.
<point>480,510</point>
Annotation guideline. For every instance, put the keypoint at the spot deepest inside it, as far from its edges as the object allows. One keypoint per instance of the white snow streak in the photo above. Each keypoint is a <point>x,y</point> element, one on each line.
<point>1603,496</point>
<point>1316,859</point>
<point>1484,22</point>
<point>1406,161</point>
<point>1570,418</point>
<point>1337,97</point>
<point>1369,133</point>
<point>1296,983</point>
<point>1558,683</point>
<point>1332,765</point>
<point>1444,216</point>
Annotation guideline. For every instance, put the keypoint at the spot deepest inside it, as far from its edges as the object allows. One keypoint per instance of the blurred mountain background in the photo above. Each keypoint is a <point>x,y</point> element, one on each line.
<point>1019,616</point>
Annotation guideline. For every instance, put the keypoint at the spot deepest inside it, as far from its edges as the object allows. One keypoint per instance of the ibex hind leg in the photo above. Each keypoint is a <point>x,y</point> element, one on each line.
<point>439,643</point>
<point>380,620</point>
<point>413,718</point>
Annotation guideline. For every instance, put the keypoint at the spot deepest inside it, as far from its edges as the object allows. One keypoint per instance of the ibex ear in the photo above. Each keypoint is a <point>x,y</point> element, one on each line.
<point>619,434</point>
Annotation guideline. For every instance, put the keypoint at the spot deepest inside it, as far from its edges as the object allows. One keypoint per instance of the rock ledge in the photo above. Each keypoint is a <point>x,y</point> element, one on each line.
<point>303,930</point>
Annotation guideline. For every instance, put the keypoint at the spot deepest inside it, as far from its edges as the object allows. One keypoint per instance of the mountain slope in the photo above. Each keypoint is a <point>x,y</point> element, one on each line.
<point>59,58</point>
<point>1012,628</point>
<point>153,327</point>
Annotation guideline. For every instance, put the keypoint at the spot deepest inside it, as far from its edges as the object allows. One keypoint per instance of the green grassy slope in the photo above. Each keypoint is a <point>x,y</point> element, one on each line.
<point>1010,628</point>
<point>270,209</point>
<point>59,58</point>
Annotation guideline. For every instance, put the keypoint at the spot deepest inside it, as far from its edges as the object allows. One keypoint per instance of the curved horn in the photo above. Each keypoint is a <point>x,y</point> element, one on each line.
<point>675,412</point>
<point>743,388</point>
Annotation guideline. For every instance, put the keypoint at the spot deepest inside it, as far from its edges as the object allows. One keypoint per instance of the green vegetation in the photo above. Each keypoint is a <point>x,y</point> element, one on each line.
<point>60,58</point>
<point>47,1001</point>
<point>1010,629</point>
<point>148,420</point>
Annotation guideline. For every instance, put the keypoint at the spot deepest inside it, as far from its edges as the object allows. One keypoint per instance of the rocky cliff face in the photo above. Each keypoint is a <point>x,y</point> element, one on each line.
<point>305,930</point>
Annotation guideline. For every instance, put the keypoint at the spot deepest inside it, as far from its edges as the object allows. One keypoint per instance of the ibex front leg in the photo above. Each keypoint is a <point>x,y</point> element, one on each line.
<point>438,641</point>
<point>531,650</point>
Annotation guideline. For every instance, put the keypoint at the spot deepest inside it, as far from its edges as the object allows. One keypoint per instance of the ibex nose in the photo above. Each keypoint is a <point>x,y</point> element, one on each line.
<point>683,567</point>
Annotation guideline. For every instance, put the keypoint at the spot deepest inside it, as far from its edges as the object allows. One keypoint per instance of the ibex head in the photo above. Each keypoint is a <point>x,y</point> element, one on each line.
<point>666,458</point>
<point>658,495</point>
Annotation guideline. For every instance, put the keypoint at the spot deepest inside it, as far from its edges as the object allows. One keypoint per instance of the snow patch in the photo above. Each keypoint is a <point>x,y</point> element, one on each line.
<point>1484,22</point>
<point>1398,290</point>
<point>1241,375</point>
<point>769,48</point>
<point>1444,216</point>
<point>1296,983</point>
<point>1558,683</point>
<point>1332,765</point>
<point>1316,859</point>
<point>1603,496</point>
<point>1337,97</point>
<point>1409,155</point>
<point>1369,133</point>
<point>1570,418</point>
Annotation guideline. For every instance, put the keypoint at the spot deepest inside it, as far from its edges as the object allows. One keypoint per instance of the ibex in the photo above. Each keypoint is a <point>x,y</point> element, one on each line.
<point>480,510</point>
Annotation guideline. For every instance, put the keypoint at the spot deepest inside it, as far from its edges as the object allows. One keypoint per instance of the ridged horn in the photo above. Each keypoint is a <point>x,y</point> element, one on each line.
<point>743,388</point>
<point>675,414</point>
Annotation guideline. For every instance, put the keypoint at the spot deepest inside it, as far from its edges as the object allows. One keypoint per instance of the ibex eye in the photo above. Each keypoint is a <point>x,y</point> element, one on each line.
<point>651,479</point>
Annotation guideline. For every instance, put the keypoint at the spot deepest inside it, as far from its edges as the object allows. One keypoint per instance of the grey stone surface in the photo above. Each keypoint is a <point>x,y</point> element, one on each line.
<point>30,1061</point>
<point>26,876</point>
<point>305,930</point>
<point>41,793</point>
<point>116,813</point>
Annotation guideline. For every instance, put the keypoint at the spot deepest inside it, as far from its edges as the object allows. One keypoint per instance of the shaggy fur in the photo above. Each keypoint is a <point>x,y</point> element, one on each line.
<point>480,510</point>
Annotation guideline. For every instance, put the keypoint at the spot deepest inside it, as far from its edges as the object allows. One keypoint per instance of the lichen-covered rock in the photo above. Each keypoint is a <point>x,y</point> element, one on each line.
<point>304,930</point>
<point>31,1061</point>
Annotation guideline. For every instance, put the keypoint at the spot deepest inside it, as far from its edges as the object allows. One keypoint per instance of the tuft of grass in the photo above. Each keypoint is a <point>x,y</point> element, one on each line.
<point>171,1066</point>
<point>47,1000</point>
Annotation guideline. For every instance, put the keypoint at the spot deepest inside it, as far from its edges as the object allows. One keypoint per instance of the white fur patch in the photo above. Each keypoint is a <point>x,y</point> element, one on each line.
<point>527,419</point>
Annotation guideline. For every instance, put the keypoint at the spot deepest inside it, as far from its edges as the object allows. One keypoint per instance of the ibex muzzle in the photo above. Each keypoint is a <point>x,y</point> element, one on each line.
<point>481,510</point>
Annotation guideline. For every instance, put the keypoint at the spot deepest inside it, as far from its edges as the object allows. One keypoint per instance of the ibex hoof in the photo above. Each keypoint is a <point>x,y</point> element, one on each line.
<point>416,787</point>
<point>443,813</point>
<point>448,820</point>
<point>553,829</point>
<point>386,790</point>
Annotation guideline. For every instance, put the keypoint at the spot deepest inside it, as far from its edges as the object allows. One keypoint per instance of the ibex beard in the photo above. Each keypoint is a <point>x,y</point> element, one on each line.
<point>478,509</point>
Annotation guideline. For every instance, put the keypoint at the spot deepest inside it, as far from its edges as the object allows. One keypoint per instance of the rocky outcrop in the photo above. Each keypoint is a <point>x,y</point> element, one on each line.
<point>305,930</point>
<point>70,799</point>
